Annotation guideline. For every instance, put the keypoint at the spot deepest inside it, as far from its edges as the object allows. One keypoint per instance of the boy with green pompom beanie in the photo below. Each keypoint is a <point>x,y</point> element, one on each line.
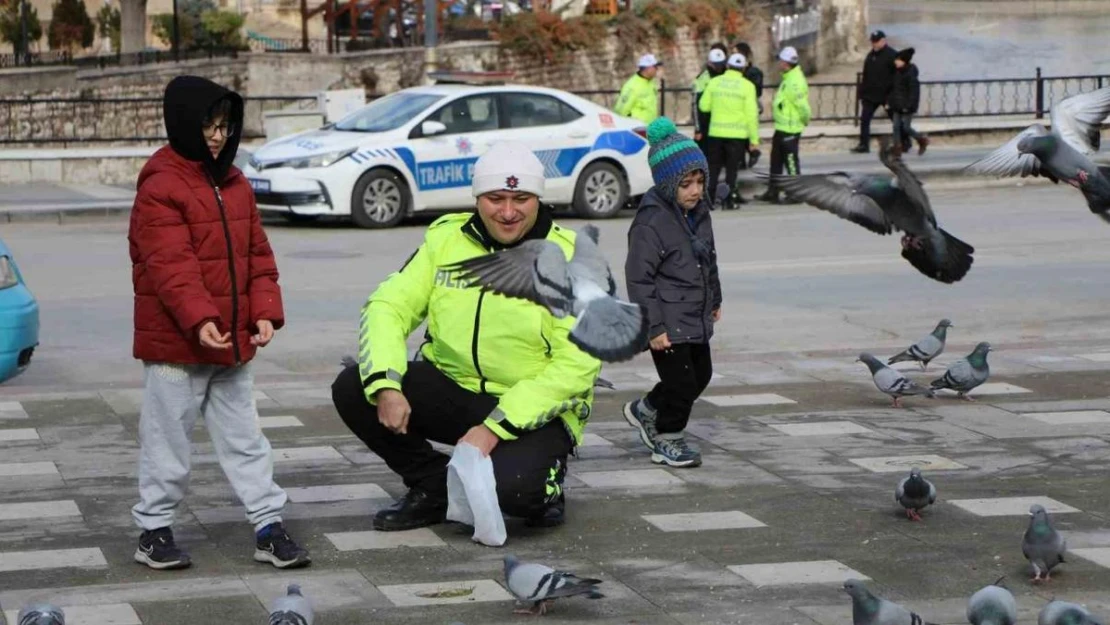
<point>671,270</point>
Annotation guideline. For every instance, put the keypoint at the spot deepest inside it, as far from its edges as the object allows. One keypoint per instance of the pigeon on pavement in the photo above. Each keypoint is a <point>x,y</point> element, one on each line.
<point>1064,613</point>
<point>1064,153</point>
<point>882,203</point>
<point>927,348</point>
<point>41,614</point>
<point>915,493</point>
<point>605,327</point>
<point>867,609</point>
<point>540,585</point>
<point>992,605</point>
<point>967,373</point>
<point>292,608</point>
<point>1042,545</point>
<point>890,381</point>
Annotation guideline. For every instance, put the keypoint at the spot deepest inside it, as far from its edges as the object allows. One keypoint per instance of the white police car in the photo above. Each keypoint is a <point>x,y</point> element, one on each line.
<point>414,150</point>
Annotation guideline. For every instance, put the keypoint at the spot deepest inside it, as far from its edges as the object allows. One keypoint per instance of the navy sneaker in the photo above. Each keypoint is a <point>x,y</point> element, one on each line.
<point>158,551</point>
<point>642,417</point>
<point>673,450</point>
<point>276,547</point>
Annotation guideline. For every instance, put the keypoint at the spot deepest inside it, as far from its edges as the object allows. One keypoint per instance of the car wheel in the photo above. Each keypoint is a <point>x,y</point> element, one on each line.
<point>601,191</point>
<point>380,199</point>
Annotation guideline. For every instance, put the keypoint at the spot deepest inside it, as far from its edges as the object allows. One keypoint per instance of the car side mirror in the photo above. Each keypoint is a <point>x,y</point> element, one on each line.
<point>431,128</point>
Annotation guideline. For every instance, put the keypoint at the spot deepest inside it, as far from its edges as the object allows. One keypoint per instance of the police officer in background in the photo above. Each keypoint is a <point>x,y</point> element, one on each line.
<point>713,68</point>
<point>733,124</point>
<point>755,76</point>
<point>791,110</point>
<point>639,96</point>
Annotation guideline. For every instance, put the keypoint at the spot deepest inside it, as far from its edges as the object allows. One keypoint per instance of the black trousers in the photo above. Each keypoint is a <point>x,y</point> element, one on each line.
<point>684,372</point>
<point>784,153</point>
<point>728,153</point>
<point>903,131</point>
<point>529,470</point>
<point>866,112</point>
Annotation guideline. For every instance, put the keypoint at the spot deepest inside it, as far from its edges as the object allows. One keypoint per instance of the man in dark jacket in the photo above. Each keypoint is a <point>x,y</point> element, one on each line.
<point>874,88</point>
<point>905,97</point>
<point>206,297</point>
<point>754,76</point>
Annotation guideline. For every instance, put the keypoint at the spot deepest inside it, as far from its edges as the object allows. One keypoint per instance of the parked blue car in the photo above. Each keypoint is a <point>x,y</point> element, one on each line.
<point>19,318</point>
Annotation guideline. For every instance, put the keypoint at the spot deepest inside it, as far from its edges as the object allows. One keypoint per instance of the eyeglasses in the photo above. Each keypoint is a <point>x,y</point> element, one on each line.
<point>226,128</point>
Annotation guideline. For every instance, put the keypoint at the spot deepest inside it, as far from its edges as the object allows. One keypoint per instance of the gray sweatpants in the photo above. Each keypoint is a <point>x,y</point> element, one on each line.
<point>173,397</point>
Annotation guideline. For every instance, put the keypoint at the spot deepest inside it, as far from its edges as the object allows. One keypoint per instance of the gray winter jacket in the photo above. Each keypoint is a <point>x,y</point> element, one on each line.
<point>665,275</point>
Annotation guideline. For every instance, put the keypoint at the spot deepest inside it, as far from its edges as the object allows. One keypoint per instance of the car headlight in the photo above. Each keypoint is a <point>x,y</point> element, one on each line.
<point>320,160</point>
<point>7,273</point>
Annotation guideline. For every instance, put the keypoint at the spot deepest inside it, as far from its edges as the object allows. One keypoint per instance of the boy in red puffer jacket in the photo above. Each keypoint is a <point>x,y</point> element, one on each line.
<point>206,297</point>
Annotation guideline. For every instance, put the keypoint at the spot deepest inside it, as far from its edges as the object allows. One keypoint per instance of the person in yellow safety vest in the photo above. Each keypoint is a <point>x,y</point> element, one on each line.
<point>733,124</point>
<point>715,66</point>
<point>639,96</point>
<point>790,108</point>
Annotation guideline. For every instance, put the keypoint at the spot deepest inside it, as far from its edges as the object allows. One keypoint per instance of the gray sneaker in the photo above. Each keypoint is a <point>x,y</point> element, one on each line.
<point>642,418</point>
<point>673,450</point>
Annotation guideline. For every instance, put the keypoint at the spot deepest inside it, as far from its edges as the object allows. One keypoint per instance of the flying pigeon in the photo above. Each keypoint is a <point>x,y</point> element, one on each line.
<point>882,203</point>
<point>292,608</point>
<point>1042,545</point>
<point>890,381</point>
<point>867,609</point>
<point>1065,613</point>
<point>537,270</point>
<point>1064,153</point>
<point>966,373</point>
<point>915,493</point>
<point>927,348</point>
<point>992,605</point>
<point>41,614</point>
<point>540,585</point>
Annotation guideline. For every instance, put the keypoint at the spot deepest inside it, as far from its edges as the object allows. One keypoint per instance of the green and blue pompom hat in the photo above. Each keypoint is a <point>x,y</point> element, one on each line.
<point>671,156</point>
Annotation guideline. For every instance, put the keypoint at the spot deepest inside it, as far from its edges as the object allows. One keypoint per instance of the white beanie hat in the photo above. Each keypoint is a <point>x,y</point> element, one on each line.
<point>508,166</point>
<point>737,61</point>
<point>789,54</point>
<point>716,55</point>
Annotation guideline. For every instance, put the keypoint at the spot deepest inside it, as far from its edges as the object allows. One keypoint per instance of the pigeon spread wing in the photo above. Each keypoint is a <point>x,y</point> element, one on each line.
<point>1078,119</point>
<point>908,183</point>
<point>840,198</point>
<point>534,270</point>
<point>1007,162</point>
<point>588,256</point>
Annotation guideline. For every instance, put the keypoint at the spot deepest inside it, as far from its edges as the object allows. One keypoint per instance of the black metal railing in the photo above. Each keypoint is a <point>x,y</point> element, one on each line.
<point>295,44</point>
<point>148,57</point>
<point>42,121</point>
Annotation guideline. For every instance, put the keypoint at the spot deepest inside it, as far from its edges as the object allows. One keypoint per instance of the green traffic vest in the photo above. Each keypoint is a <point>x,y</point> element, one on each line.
<point>732,106</point>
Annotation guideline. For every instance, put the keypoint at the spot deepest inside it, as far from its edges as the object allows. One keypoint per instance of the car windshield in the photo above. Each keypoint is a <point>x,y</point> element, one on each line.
<point>388,113</point>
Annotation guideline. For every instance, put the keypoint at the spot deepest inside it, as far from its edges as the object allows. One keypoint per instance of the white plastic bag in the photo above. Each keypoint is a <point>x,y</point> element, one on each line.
<point>472,495</point>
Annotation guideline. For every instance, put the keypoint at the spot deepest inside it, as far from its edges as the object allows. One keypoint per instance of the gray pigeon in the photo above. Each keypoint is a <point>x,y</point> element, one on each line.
<point>540,585</point>
<point>992,605</point>
<point>890,381</point>
<point>537,270</point>
<point>1065,613</point>
<point>292,608</point>
<point>915,493</point>
<point>1042,545</point>
<point>867,609</point>
<point>882,203</point>
<point>927,348</point>
<point>1062,154</point>
<point>965,374</point>
<point>41,614</point>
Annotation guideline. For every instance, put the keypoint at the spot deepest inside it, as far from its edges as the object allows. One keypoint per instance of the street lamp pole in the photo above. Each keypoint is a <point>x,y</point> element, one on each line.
<point>431,30</point>
<point>176,35</point>
<point>25,46</point>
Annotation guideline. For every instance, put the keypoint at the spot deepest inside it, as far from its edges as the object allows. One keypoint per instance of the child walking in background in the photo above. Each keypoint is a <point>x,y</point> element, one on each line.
<point>905,96</point>
<point>671,270</point>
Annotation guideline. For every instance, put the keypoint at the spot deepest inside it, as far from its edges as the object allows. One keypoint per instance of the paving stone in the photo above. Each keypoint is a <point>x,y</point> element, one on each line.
<point>329,590</point>
<point>1098,555</point>
<point>638,478</point>
<point>593,440</point>
<point>307,454</point>
<point>825,428</point>
<point>1070,417</point>
<point>38,509</point>
<point>18,469</point>
<point>796,573</point>
<point>753,399</point>
<point>12,410</point>
<point>338,492</point>
<point>900,464</point>
<point>279,422</point>
<point>107,614</point>
<point>1095,357</point>
<point>991,388</point>
<point>18,434</point>
<point>443,593</point>
<point>356,541</point>
<point>51,559</point>
<point>1011,506</point>
<point>701,521</point>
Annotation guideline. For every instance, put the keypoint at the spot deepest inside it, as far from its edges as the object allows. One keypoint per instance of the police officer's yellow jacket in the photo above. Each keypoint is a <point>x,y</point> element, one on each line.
<point>510,348</point>
<point>790,106</point>
<point>731,103</point>
<point>639,99</point>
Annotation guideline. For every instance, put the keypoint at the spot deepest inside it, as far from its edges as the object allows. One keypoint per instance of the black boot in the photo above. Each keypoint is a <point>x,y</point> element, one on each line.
<point>860,149</point>
<point>417,508</point>
<point>553,515</point>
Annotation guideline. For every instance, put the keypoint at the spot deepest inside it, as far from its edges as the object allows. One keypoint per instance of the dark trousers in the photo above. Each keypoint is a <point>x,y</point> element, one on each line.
<point>866,112</point>
<point>684,372</point>
<point>529,470</point>
<point>728,153</point>
<point>784,153</point>
<point>903,130</point>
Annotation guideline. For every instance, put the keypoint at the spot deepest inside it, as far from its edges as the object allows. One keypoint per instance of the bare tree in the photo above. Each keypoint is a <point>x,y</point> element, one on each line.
<point>132,25</point>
